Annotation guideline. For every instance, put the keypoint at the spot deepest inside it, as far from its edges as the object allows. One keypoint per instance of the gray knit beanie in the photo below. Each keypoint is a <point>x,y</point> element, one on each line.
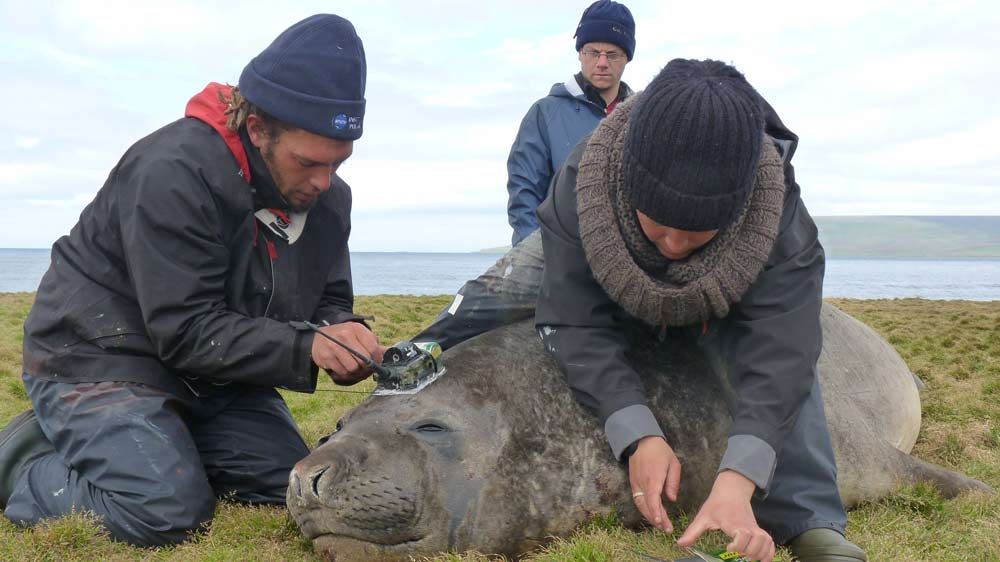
<point>692,146</point>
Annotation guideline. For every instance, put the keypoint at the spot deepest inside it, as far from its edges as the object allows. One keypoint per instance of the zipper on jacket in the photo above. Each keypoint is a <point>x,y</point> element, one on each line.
<point>272,254</point>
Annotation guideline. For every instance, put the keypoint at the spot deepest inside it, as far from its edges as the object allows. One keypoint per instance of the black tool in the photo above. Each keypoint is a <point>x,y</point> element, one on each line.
<point>406,367</point>
<point>367,361</point>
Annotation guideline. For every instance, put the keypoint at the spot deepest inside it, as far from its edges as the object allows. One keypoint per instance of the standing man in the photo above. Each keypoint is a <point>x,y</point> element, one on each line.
<point>681,216</point>
<point>605,43</point>
<point>163,325</point>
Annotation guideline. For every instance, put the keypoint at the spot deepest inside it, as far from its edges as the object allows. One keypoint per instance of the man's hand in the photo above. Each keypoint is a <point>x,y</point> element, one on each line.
<point>728,509</point>
<point>654,472</point>
<point>343,367</point>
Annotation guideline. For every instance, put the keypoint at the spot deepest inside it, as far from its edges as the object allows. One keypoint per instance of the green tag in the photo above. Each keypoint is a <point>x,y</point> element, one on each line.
<point>727,556</point>
<point>720,556</point>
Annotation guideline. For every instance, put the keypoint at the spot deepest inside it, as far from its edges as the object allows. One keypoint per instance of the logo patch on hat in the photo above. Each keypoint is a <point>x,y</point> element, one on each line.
<point>342,121</point>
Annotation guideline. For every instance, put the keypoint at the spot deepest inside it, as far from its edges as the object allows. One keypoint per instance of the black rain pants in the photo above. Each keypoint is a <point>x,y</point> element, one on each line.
<point>151,463</point>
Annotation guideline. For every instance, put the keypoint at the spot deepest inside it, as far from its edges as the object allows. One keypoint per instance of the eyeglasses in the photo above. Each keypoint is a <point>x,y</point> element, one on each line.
<point>612,56</point>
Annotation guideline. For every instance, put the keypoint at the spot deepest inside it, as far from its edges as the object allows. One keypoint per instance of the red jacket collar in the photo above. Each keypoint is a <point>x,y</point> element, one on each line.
<point>207,107</point>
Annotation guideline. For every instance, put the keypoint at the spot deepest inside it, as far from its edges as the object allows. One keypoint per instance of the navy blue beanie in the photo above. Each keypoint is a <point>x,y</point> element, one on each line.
<point>605,21</point>
<point>312,77</point>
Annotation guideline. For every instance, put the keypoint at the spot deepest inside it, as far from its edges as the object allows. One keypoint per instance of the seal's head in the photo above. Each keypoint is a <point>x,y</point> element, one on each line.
<point>386,483</point>
<point>477,460</point>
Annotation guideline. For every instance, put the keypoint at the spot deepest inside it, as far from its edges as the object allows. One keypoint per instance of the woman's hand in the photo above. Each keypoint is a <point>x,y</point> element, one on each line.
<point>654,472</point>
<point>727,509</point>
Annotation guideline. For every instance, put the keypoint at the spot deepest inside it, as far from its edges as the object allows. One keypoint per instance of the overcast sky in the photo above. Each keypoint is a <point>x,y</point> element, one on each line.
<point>895,103</point>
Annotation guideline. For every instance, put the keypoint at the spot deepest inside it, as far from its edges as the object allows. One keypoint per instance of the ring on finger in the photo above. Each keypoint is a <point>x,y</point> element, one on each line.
<point>638,494</point>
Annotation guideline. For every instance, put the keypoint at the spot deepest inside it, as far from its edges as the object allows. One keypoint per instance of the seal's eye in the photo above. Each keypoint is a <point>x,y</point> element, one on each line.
<point>324,439</point>
<point>429,427</point>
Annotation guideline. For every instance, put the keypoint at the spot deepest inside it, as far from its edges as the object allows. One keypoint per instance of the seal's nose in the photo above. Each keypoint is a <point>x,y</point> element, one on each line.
<point>305,483</point>
<point>315,478</point>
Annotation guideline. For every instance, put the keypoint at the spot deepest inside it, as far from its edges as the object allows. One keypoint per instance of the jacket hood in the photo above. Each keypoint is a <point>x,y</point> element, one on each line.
<point>570,89</point>
<point>208,107</point>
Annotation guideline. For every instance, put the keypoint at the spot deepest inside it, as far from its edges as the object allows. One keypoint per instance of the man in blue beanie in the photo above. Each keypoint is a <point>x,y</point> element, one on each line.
<point>605,43</point>
<point>165,322</point>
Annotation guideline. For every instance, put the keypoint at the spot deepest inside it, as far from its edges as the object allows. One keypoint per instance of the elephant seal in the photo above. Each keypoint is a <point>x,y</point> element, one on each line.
<point>496,456</point>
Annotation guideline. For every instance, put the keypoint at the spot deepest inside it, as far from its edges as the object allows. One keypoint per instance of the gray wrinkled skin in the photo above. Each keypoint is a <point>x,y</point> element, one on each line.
<point>497,457</point>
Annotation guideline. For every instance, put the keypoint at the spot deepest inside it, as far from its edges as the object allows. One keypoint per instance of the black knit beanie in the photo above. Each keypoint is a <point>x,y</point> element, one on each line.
<point>692,145</point>
<point>313,77</point>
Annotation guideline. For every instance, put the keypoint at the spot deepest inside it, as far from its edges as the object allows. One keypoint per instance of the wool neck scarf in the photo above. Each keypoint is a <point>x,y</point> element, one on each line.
<point>632,271</point>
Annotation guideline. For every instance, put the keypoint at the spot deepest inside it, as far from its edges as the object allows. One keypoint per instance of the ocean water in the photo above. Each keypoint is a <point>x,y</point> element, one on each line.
<point>977,280</point>
<point>21,270</point>
<point>443,273</point>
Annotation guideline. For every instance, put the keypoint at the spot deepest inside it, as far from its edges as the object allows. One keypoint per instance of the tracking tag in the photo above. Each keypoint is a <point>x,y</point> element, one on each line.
<point>724,556</point>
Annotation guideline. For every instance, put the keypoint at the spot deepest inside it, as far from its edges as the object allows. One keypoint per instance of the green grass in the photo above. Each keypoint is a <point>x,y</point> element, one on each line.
<point>953,346</point>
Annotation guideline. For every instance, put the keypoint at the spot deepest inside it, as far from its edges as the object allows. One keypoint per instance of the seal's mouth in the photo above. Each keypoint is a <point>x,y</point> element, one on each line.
<point>335,547</point>
<point>389,539</point>
<point>335,537</point>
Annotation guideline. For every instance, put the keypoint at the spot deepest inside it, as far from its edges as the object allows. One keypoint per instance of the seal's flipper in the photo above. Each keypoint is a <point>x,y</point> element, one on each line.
<point>948,482</point>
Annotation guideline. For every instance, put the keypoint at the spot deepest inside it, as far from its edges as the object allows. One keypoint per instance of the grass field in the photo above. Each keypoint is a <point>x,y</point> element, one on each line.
<point>953,346</point>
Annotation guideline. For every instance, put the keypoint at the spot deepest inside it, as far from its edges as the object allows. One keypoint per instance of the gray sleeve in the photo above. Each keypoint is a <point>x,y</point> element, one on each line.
<point>628,425</point>
<point>752,457</point>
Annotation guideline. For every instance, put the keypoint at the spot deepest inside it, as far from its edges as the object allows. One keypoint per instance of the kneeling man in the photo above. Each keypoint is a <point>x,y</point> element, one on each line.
<point>162,327</point>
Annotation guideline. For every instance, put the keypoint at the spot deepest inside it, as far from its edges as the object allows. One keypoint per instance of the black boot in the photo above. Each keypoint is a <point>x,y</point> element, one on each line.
<point>21,442</point>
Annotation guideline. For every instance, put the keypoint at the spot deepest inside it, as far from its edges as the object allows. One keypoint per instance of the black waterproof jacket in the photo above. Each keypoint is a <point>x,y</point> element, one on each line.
<point>770,340</point>
<point>169,279</point>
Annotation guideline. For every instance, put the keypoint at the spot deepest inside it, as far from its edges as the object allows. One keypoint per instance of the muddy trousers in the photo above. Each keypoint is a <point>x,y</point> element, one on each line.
<point>150,464</point>
<point>803,493</point>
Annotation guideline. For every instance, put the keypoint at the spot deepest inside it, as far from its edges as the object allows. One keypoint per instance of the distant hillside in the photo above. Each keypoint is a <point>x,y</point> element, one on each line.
<point>910,237</point>
<point>901,237</point>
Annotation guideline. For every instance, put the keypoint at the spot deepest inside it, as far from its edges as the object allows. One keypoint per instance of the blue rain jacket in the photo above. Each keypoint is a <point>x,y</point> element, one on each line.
<point>549,132</point>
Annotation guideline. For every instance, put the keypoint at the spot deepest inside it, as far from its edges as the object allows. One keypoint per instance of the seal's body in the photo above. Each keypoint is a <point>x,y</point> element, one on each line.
<point>496,456</point>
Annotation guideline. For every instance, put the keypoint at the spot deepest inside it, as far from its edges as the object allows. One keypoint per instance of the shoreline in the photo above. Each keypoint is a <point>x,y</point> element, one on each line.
<point>451,295</point>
